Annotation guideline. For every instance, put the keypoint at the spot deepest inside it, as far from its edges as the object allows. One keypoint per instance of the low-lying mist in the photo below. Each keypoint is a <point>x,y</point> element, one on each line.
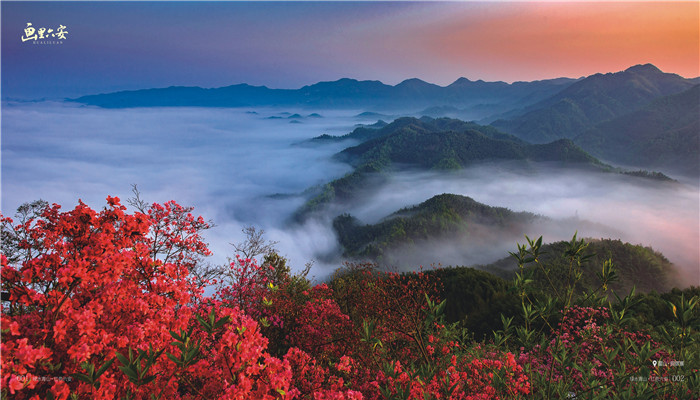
<point>240,167</point>
<point>227,163</point>
<point>662,215</point>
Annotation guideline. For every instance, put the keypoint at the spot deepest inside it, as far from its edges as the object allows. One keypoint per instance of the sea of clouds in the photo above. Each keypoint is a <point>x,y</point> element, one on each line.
<point>242,167</point>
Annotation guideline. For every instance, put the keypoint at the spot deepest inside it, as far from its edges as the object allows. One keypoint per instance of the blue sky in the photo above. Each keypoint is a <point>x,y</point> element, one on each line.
<point>130,45</point>
<point>119,45</point>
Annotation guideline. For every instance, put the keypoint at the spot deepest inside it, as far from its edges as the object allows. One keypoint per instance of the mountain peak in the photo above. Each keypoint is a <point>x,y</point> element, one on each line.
<point>414,83</point>
<point>460,81</point>
<point>644,69</point>
<point>344,87</point>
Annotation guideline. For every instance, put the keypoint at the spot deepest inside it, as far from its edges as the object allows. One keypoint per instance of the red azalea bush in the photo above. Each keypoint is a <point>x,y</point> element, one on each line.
<point>592,341</point>
<point>496,376</point>
<point>86,289</point>
<point>314,381</point>
<point>89,291</point>
<point>249,288</point>
<point>229,359</point>
<point>108,305</point>
<point>389,307</point>
<point>319,326</point>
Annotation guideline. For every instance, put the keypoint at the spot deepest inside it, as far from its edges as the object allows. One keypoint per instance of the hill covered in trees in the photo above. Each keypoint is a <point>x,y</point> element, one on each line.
<point>441,144</point>
<point>436,218</point>
<point>449,218</point>
<point>637,265</point>
<point>446,144</point>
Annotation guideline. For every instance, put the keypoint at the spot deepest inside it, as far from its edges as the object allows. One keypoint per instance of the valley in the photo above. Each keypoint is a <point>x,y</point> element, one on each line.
<point>403,189</point>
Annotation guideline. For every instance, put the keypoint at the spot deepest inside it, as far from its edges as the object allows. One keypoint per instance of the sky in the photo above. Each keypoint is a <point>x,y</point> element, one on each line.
<point>114,46</point>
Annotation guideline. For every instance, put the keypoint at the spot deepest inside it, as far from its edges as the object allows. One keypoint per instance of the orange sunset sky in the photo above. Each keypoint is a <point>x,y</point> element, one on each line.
<point>132,45</point>
<point>534,40</point>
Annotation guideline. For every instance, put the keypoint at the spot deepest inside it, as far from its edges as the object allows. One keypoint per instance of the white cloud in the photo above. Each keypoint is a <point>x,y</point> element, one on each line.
<point>227,163</point>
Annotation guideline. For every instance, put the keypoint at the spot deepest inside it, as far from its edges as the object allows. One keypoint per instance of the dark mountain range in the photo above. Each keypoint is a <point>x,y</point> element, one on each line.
<point>343,93</point>
<point>595,99</point>
<point>437,217</point>
<point>662,135</point>
<point>182,96</point>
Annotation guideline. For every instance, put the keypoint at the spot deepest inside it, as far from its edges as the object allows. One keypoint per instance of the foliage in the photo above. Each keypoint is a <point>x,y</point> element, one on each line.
<point>637,266</point>
<point>581,342</point>
<point>476,299</point>
<point>93,312</point>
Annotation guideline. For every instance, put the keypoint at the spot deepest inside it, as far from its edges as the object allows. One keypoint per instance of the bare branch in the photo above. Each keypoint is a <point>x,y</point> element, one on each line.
<point>136,201</point>
<point>254,245</point>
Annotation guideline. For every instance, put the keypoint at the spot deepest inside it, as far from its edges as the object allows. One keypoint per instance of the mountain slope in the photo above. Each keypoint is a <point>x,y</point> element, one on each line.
<point>452,144</point>
<point>595,99</point>
<point>439,216</point>
<point>424,124</point>
<point>439,144</point>
<point>663,135</point>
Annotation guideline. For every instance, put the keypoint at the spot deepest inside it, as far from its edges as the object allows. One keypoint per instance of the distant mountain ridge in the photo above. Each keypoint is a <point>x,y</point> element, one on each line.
<point>665,134</point>
<point>593,100</point>
<point>343,93</point>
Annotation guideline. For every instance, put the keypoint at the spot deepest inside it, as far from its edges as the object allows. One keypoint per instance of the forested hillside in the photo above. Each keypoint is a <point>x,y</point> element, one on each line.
<point>662,135</point>
<point>437,218</point>
<point>637,266</point>
<point>441,144</point>
<point>591,101</point>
